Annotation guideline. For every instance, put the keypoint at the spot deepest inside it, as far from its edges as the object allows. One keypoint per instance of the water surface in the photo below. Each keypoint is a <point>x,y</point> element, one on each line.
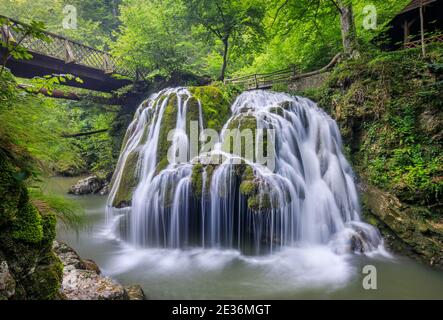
<point>297,273</point>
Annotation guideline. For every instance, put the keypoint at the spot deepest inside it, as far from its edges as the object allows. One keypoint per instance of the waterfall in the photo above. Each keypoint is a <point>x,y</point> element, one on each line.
<point>307,197</point>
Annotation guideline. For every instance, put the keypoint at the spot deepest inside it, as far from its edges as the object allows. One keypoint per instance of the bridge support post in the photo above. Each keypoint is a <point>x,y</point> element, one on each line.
<point>69,54</point>
<point>107,64</point>
<point>7,36</point>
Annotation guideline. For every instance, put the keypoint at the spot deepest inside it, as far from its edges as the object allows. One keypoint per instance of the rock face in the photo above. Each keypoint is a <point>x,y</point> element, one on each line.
<point>7,283</point>
<point>82,279</point>
<point>28,267</point>
<point>406,229</point>
<point>135,293</point>
<point>91,184</point>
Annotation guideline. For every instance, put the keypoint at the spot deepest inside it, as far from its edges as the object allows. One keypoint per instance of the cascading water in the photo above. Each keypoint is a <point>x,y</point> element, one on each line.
<point>307,197</point>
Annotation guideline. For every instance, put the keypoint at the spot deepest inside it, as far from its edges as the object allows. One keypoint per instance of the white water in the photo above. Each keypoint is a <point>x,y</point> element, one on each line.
<point>312,195</point>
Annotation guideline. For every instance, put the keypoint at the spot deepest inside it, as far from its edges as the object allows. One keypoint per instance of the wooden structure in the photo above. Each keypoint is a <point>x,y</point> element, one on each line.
<point>418,24</point>
<point>97,69</point>
<point>288,75</point>
<point>264,80</point>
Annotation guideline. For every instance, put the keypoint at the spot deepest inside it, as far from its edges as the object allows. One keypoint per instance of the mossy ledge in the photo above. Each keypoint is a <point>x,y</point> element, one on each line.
<point>128,182</point>
<point>389,110</point>
<point>26,237</point>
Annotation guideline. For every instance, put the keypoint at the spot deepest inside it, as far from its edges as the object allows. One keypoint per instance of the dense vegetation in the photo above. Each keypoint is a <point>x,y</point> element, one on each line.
<point>388,105</point>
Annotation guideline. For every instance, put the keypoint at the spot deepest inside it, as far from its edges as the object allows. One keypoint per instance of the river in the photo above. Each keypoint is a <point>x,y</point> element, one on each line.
<point>309,273</point>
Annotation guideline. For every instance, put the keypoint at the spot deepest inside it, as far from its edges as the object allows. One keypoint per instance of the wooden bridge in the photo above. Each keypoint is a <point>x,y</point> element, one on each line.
<point>288,75</point>
<point>264,80</point>
<point>99,70</point>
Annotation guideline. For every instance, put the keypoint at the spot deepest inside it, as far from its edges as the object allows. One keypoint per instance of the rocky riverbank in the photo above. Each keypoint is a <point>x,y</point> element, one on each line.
<point>389,111</point>
<point>82,279</point>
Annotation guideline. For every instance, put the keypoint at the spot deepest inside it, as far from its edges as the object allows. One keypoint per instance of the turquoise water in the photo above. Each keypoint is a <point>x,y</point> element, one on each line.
<point>293,273</point>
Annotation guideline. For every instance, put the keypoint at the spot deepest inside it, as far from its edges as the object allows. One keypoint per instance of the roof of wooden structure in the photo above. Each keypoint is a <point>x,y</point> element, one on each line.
<point>415,4</point>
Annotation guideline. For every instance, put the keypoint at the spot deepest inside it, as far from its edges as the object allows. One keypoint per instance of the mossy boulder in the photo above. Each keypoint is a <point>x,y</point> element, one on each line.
<point>197,180</point>
<point>128,182</point>
<point>26,235</point>
<point>215,103</point>
<point>241,132</point>
<point>413,231</point>
<point>28,226</point>
<point>168,123</point>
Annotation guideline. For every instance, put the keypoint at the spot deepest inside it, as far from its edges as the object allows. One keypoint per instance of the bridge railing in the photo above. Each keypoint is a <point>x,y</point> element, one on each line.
<point>265,80</point>
<point>67,50</point>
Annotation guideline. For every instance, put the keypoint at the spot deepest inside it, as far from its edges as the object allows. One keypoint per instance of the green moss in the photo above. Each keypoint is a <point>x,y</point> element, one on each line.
<point>163,164</point>
<point>28,226</point>
<point>144,137</point>
<point>389,110</point>
<point>128,182</point>
<point>192,114</point>
<point>243,127</point>
<point>197,179</point>
<point>259,202</point>
<point>45,282</point>
<point>168,123</point>
<point>49,222</point>
<point>248,187</point>
<point>215,105</point>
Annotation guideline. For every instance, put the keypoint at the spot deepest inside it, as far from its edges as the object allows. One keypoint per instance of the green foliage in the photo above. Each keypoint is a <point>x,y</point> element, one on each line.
<point>154,36</point>
<point>388,106</point>
<point>28,226</point>
<point>96,20</point>
<point>215,100</point>
<point>37,124</point>
<point>13,47</point>
<point>54,207</point>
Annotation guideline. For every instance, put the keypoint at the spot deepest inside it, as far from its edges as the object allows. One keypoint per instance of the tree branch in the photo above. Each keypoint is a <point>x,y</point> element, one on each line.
<point>58,94</point>
<point>337,6</point>
<point>82,134</point>
<point>278,11</point>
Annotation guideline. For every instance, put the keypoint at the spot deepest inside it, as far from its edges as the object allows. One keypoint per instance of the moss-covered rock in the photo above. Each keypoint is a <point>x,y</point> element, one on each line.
<point>215,103</point>
<point>168,123</point>
<point>25,238</point>
<point>128,182</point>
<point>410,230</point>
<point>389,110</point>
<point>28,226</point>
<point>241,131</point>
<point>248,187</point>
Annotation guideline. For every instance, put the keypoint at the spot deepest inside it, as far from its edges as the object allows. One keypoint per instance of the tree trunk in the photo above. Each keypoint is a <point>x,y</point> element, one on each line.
<point>59,94</point>
<point>348,31</point>
<point>225,58</point>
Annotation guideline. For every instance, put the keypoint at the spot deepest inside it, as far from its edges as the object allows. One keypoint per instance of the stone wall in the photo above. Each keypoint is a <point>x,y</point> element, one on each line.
<point>306,83</point>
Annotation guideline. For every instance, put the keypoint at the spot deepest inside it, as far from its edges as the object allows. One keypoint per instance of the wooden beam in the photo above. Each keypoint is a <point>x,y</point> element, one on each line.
<point>422,29</point>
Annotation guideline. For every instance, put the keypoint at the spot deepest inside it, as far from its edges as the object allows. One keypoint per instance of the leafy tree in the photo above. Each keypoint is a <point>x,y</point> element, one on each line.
<point>154,35</point>
<point>13,47</point>
<point>236,21</point>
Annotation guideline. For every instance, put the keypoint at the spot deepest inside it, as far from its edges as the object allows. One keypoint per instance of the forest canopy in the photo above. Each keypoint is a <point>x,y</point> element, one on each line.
<point>216,38</point>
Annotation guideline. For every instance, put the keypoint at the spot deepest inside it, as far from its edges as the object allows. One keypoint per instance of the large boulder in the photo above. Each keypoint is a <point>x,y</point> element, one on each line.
<point>82,279</point>
<point>89,185</point>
